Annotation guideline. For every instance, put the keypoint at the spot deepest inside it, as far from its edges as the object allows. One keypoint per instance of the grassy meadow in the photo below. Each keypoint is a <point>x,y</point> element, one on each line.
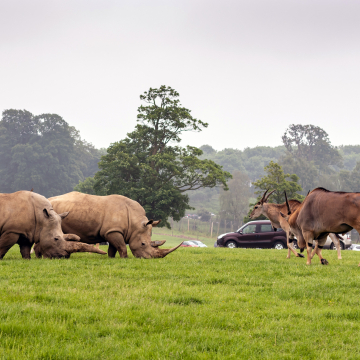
<point>197,303</point>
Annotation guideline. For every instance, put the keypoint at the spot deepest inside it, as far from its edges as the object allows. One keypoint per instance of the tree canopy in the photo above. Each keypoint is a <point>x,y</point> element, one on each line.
<point>310,155</point>
<point>276,179</point>
<point>42,152</point>
<point>148,166</point>
<point>311,143</point>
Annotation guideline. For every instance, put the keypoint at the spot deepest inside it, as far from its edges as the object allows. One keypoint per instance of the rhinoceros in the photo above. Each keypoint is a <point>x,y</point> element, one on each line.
<point>113,218</point>
<point>27,218</point>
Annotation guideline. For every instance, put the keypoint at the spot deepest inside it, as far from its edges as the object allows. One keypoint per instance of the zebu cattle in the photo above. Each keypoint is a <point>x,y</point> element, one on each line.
<point>321,213</point>
<point>272,212</point>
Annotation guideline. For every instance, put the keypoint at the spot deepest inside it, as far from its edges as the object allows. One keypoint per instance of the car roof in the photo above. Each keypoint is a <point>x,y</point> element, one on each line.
<point>259,222</point>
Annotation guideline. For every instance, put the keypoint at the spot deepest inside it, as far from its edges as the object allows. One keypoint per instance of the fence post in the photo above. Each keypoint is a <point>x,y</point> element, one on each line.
<point>172,226</point>
<point>212,225</point>
<point>188,224</point>
<point>225,227</point>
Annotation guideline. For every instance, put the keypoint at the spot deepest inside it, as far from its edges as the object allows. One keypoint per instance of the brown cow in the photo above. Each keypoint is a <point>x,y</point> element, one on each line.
<point>113,218</point>
<point>27,218</point>
<point>272,212</point>
<point>321,213</point>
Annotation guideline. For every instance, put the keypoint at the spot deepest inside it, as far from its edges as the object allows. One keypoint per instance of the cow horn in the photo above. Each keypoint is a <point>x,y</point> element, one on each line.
<point>265,200</point>
<point>158,243</point>
<point>164,252</point>
<point>287,203</point>
<point>72,247</point>
<point>263,197</point>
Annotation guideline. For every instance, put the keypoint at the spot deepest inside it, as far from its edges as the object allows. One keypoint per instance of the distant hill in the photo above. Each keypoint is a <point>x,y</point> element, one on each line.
<point>252,161</point>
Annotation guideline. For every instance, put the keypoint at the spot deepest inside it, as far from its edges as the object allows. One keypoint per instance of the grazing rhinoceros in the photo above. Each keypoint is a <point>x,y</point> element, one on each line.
<point>27,217</point>
<point>113,218</point>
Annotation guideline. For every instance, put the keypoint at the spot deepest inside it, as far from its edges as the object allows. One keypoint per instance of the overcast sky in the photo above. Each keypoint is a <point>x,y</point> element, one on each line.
<point>248,68</point>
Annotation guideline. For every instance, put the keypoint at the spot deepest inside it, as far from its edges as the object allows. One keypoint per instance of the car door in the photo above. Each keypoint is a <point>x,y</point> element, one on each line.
<point>264,235</point>
<point>247,236</point>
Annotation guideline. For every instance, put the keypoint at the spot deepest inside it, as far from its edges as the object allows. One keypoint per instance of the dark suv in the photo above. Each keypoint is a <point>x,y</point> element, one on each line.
<point>254,234</point>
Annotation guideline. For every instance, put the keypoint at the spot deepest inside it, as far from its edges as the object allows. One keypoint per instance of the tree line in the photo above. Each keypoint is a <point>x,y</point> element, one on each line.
<point>43,152</point>
<point>306,160</point>
<point>150,166</point>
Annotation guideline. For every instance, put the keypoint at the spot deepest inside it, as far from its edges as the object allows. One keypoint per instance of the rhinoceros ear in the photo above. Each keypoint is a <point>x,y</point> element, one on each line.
<point>64,215</point>
<point>46,213</point>
<point>152,222</point>
<point>156,223</point>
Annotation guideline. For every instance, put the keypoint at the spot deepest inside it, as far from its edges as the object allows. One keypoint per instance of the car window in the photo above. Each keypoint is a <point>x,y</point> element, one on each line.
<point>250,229</point>
<point>265,228</point>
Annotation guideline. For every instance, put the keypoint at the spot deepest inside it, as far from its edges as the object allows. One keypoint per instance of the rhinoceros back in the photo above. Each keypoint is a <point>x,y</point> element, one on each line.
<point>91,217</point>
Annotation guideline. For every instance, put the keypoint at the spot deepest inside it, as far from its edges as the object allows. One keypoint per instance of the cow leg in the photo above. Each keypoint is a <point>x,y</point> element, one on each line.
<point>318,252</point>
<point>291,248</point>
<point>336,241</point>
<point>285,226</point>
<point>320,244</point>
<point>117,241</point>
<point>289,245</point>
<point>309,238</point>
<point>315,249</point>
<point>7,240</point>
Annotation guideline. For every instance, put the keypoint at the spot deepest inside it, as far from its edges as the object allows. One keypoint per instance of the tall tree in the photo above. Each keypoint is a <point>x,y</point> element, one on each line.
<point>310,155</point>
<point>234,203</point>
<point>148,165</point>
<point>350,180</point>
<point>41,152</point>
<point>276,179</point>
<point>311,143</point>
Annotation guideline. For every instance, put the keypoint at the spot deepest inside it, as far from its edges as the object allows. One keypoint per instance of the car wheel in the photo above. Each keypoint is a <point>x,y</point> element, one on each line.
<point>231,245</point>
<point>295,244</point>
<point>279,246</point>
<point>333,247</point>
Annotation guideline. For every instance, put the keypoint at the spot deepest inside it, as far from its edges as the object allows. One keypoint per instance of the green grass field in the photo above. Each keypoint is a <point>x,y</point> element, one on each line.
<point>194,304</point>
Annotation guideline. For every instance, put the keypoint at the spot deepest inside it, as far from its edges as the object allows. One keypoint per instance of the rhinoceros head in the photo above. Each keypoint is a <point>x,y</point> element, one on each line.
<point>53,243</point>
<point>141,245</point>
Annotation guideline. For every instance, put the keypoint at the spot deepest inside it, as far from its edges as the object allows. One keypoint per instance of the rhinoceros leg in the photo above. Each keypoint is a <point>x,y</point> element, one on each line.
<point>112,251</point>
<point>25,247</point>
<point>7,240</point>
<point>116,240</point>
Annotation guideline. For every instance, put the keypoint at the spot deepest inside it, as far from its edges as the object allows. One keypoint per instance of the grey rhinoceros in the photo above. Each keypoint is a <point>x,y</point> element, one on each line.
<point>113,218</point>
<point>27,218</point>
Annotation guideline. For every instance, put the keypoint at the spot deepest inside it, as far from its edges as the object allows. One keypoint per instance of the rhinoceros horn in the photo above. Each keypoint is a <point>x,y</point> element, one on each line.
<point>164,252</point>
<point>72,247</point>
